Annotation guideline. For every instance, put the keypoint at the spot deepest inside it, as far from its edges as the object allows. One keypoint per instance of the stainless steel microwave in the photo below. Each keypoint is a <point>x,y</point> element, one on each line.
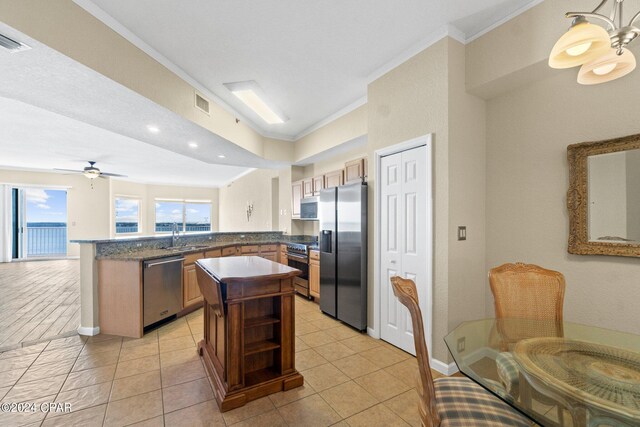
<point>309,208</point>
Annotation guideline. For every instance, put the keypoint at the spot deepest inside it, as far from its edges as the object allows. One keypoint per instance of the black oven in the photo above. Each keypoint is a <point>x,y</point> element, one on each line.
<point>298,257</point>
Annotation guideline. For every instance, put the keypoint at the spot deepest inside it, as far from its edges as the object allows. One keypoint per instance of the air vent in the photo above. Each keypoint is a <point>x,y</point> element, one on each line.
<point>12,45</point>
<point>202,103</point>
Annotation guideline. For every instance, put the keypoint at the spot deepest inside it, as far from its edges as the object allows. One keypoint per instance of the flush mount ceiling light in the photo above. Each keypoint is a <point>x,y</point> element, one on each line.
<point>221,156</point>
<point>250,93</point>
<point>153,129</point>
<point>193,144</point>
<point>601,52</point>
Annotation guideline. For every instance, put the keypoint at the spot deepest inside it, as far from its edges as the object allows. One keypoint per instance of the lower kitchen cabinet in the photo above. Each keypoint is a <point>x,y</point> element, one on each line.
<point>314,274</point>
<point>190,290</point>
<point>271,256</point>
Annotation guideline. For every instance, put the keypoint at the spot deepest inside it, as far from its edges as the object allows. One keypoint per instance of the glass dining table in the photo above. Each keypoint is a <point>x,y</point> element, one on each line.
<point>556,373</point>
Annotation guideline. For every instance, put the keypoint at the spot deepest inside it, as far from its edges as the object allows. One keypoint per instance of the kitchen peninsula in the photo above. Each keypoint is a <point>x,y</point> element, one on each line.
<point>249,315</point>
<point>112,273</point>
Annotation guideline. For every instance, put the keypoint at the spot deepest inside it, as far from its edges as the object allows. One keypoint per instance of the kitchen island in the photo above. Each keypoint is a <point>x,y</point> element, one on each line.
<point>249,328</point>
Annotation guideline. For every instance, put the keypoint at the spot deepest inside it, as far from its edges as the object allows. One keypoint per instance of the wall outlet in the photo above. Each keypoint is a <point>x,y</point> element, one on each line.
<point>461,344</point>
<point>462,232</point>
<point>138,245</point>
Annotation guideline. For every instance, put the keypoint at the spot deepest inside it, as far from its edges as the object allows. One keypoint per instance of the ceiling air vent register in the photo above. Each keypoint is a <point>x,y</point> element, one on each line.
<point>12,45</point>
<point>202,104</point>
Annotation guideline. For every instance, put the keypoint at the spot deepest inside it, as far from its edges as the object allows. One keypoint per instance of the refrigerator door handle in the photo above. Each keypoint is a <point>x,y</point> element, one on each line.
<point>326,241</point>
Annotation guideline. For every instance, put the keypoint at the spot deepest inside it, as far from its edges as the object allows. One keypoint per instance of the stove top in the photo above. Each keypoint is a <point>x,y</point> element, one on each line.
<point>298,248</point>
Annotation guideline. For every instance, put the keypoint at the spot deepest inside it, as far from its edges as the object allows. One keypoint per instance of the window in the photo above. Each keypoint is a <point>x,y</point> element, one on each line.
<point>191,216</point>
<point>127,215</point>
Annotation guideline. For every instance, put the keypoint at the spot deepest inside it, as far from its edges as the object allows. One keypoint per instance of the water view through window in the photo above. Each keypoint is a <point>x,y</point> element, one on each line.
<point>127,215</point>
<point>190,216</point>
<point>46,220</point>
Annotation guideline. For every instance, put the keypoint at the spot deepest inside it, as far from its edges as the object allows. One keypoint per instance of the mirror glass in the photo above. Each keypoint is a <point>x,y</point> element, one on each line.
<point>614,197</point>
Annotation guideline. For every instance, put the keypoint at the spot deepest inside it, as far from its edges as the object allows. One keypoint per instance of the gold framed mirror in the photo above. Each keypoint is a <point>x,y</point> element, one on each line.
<point>603,199</point>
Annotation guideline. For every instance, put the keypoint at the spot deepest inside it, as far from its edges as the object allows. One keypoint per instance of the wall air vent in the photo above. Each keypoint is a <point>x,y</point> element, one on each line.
<point>202,103</point>
<point>12,45</point>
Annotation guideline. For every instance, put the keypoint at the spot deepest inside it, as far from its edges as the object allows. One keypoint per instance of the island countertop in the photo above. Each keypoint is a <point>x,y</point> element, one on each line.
<point>242,268</point>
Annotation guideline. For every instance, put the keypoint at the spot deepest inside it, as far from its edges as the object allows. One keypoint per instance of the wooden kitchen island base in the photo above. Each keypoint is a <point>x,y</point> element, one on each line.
<point>249,328</point>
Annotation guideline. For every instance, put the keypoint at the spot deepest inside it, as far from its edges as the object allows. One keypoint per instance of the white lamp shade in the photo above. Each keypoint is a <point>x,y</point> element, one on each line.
<point>608,67</point>
<point>581,44</point>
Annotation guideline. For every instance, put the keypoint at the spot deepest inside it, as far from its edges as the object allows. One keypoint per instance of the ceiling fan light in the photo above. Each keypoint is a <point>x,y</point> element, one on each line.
<point>582,43</point>
<point>92,173</point>
<point>606,68</point>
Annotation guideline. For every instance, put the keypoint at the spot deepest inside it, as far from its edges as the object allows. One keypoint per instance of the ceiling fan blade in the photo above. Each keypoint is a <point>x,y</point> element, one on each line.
<point>112,174</point>
<point>68,170</point>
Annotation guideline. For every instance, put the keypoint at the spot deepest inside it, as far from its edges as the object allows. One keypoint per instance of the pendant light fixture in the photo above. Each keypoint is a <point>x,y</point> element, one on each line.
<point>601,52</point>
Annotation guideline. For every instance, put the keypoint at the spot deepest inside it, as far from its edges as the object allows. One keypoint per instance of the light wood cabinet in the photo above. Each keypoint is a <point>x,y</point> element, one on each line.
<point>296,197</point>
<point>271,256</point>
<point>249,249</point>
<point>333,179</point>
<point>231,251</point>
<point>355,171</point>
<point>284,259</point>
<point>307,187</point>
<point>314,274</point>
<point>318,184</point>
<point>190,290</point>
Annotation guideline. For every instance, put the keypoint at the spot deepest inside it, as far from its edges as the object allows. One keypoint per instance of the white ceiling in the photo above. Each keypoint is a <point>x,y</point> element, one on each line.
<point>34,138</point>
<point>312,58</point>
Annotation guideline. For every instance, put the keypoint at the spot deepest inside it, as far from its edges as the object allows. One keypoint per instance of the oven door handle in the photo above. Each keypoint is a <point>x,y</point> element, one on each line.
<point>297,258</point>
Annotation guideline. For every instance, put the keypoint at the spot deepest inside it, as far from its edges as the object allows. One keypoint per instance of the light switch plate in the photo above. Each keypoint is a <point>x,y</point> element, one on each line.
<point>462,232</point>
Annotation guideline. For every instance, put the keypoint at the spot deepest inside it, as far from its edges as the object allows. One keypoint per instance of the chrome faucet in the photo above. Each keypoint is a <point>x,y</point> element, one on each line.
<point>175,235</point>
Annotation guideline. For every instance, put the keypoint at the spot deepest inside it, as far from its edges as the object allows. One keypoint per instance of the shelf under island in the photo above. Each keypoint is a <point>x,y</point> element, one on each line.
<point>249,328</point>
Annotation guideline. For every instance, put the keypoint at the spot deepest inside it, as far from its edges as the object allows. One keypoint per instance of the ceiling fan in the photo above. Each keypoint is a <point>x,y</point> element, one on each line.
<point>92,172</point>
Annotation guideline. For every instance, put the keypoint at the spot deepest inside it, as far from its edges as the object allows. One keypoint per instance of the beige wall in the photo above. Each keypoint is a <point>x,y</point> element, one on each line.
<point>87,208</point>
<point>410,101</point>
<point>467,192</point>
<point>256,188</point>
<point>344,129</point>
<point>148,193</point>
<point>528,131</point>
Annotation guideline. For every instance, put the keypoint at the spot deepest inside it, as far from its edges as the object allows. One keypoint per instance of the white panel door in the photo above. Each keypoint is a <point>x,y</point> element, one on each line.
<point>404,246</point>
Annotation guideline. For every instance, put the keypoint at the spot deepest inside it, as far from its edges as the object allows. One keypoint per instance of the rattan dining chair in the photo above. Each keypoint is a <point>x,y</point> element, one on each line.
<point>530,293</point>
<point>527,291</point>
<point>450,402</point>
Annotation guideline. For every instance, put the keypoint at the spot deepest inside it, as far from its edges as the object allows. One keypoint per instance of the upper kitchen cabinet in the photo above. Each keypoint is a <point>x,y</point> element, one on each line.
<point>307,187</point>
<point>333,179</point>
<point>318,184</point>
<point>296,197</point>
<point>355,170</point>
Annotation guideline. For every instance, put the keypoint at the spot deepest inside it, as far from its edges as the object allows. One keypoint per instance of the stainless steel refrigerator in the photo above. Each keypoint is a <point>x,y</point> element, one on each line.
<point>343,254</point>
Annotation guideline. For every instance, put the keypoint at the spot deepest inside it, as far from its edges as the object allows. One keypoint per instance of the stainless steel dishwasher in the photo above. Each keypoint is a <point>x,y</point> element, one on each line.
<point>162,289</point>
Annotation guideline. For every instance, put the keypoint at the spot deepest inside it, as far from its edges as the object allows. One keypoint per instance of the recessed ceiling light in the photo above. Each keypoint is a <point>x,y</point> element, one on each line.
<point>193,144</point>
<point>221,156</point>
<point>250,93</point>
<point>153,128</point>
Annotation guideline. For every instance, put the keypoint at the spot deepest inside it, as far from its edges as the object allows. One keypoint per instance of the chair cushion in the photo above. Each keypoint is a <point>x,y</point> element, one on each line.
<point>509,372</point>
<point>462,403</point>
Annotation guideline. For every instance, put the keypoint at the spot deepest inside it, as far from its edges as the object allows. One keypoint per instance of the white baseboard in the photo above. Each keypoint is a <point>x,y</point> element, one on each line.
<point>84,330</point>
<point>373,333</point>
<point>443,368</point>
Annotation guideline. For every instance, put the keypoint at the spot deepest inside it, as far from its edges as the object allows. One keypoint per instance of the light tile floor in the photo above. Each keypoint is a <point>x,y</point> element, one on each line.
<point>350,379</point>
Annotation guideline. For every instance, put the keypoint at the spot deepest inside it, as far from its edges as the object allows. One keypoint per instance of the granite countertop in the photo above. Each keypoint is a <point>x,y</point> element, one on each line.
<point>235,269</point>
<point>155,253</point>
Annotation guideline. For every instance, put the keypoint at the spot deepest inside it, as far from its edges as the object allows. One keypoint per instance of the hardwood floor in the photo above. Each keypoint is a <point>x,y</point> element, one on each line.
<point>38,300</point>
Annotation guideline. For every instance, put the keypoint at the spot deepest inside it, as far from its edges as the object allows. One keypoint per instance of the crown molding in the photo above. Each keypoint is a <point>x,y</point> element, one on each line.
<point>507,18</point>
